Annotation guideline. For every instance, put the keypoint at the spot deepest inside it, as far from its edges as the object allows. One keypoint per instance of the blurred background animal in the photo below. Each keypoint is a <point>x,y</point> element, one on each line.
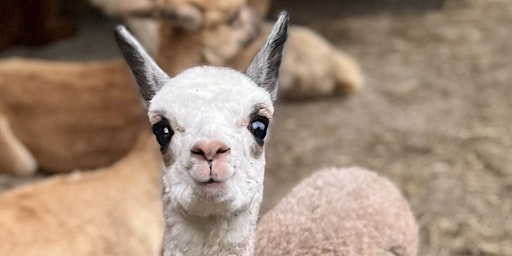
<point>188,33</point>
<point>228,33</point>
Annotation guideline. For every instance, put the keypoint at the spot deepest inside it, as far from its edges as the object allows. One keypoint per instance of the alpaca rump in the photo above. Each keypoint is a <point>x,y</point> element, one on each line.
<point>112,211</point>
<point>69,115</point>
<point>345,212</point>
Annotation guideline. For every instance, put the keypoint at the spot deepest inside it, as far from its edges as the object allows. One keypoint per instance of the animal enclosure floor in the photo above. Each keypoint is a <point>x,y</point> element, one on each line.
<point>435,116</point>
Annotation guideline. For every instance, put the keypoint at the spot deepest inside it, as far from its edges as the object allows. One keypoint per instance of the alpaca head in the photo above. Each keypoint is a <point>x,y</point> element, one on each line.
<point>211,124</point>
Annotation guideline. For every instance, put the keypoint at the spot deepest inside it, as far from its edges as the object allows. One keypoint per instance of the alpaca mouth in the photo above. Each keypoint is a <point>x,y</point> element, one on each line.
<point>211,182</point>
<point>212,187</point>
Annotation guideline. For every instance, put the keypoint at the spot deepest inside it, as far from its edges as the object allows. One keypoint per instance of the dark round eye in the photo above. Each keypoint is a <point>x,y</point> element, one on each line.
<point>163,134</point>
<point>258,127</point>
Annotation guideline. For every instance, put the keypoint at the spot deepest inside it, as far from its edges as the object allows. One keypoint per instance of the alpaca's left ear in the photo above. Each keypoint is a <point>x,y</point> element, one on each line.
<point>264,69</point>
<point>149,76</point>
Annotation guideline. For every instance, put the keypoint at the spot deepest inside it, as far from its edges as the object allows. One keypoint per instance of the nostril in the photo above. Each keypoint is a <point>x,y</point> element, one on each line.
<point>197,151</point>
<point>223,150</point>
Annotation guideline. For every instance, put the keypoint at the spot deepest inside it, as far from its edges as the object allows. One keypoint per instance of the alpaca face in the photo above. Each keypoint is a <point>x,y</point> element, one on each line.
<point>211,125</point>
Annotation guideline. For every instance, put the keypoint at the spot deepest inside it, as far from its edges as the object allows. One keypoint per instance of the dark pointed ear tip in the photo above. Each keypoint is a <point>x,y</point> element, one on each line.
<point>283,17</point>
<point>281,25</point>
<point>119,29</point>
<point>121,32</point>
<point>126,41</point>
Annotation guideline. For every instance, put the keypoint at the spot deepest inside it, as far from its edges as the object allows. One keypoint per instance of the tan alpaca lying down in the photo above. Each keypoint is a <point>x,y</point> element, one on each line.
<point>68,115</point>
<point>111,211</point>
<point>311,67</point>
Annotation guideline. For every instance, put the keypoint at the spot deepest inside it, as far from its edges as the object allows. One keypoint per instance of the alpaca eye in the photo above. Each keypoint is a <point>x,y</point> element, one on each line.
<point>258,127</point>
<point>163,134</point>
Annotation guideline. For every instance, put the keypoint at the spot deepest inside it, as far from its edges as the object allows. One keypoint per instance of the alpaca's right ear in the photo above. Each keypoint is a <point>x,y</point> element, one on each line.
<point>149,76</point>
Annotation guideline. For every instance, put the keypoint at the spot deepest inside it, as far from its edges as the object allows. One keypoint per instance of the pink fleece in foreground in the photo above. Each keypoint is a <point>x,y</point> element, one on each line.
<point>349,211</point>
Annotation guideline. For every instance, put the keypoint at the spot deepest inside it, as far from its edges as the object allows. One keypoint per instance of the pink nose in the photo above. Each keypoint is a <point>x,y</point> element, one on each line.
<point>209,150</point>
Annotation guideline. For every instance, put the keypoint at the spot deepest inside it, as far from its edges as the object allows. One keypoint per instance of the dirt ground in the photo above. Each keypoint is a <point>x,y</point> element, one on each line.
<point>435,116</point>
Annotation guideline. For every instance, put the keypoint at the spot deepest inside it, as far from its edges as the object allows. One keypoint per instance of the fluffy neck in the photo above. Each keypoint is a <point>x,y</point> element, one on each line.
<point>212,235</point>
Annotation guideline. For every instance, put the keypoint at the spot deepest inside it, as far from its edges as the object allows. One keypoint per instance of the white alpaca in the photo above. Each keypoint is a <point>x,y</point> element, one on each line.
<point>210,123</point>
